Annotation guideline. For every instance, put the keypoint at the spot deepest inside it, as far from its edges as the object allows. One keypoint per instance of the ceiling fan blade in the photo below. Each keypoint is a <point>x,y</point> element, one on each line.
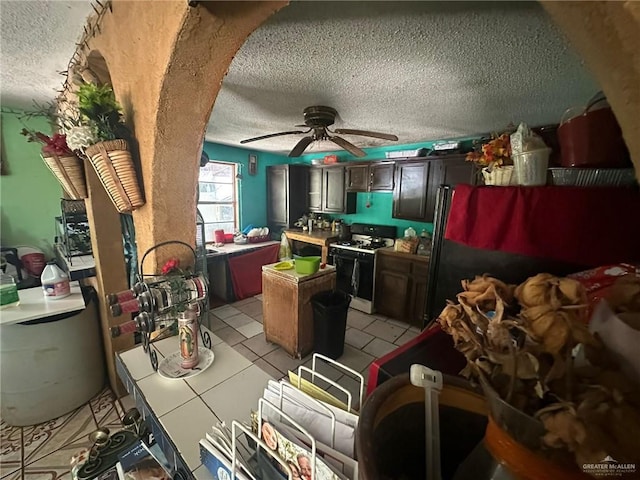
<point>262,137</point>
<point>348,146</point>
<point>366,133</point>
<point>300,146</point>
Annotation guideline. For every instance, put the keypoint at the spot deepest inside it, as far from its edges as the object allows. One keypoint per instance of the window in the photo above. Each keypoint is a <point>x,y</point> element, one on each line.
<point>218,201</point>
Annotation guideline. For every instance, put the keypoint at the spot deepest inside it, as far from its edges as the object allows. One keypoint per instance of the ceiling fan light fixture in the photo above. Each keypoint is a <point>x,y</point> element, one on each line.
<point>318,118</point>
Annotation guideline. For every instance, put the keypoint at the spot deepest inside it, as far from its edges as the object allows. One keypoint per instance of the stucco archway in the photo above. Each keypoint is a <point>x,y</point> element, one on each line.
<point>167,61</point>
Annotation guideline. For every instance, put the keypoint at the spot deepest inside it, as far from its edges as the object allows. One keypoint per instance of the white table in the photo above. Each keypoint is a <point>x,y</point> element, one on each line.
<point>181,411</point>
<point>50,358</point>
<point>34,305</point>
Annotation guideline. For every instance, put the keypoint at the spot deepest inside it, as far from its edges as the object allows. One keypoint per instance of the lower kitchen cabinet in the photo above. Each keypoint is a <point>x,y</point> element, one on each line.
<point>401,286</point>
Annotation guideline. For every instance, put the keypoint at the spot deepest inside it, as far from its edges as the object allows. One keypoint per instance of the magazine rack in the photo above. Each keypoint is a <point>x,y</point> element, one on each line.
<point>314,374</point>
<point>149,281</point>
<point>270,409</point>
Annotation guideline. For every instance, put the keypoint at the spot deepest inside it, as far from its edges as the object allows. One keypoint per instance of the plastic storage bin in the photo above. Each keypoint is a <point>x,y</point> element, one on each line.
<point>531,167</point>
<point>307,265</point>
<point>330,322</point>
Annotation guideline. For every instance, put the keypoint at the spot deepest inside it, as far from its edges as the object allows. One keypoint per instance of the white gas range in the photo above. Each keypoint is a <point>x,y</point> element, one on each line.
<point>354,260</point>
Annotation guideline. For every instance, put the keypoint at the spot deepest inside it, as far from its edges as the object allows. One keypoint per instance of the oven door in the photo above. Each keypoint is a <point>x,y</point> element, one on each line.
<point>354,272</point>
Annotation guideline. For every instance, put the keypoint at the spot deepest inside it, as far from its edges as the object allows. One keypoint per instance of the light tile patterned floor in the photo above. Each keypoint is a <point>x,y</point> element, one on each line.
<point>43,452</point>
<point>367,337</point>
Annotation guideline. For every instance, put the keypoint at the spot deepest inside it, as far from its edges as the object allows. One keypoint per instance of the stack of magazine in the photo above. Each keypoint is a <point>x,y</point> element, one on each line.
<point>299,431</point>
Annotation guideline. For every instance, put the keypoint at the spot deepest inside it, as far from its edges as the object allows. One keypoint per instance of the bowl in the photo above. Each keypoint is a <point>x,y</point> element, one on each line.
<point>228,238</point>
<point>307,265</point>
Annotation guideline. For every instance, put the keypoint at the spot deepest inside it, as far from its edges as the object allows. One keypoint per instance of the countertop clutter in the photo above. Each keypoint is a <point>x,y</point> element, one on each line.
<point>34,306</point>
<point>231,248</point>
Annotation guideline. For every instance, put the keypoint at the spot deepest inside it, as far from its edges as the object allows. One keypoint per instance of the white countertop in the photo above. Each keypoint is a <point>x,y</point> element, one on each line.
<point>296,277</point>
<point>187,408</point>
<point>229,248</point>
<point>34,305</point>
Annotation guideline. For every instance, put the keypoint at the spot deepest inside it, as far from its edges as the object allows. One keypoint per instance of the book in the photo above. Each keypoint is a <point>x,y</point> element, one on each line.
<point>138,463</point>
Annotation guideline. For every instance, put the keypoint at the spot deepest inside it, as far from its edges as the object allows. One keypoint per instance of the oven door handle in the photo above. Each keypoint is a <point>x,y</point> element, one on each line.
<point>355,276</point>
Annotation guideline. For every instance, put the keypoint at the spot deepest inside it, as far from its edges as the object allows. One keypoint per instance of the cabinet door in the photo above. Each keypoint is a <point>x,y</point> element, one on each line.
<point>357,178</point>
<point>277,196</point>
<point>315,189</point>
<point>410,191</point>
<point>450,170</point>
<point>392,290</point>
<point>333,190</point>
<point>418,297</point>
<point>381,176</point>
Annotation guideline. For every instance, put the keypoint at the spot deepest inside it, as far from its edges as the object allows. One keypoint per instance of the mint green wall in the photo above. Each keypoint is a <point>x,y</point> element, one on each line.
<point>30,194</point>
<point>252,189</point>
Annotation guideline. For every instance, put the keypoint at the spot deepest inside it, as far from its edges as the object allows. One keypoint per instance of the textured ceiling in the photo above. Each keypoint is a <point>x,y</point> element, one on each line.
<point>421,70</point>
<point>37,41</point>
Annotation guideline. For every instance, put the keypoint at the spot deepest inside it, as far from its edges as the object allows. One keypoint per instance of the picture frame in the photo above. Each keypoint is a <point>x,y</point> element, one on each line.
<point>253,164</point>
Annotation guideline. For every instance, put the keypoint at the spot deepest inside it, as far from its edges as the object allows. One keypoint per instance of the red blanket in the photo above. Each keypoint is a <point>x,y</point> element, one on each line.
<point>587,226</point>
<point>246,270</point>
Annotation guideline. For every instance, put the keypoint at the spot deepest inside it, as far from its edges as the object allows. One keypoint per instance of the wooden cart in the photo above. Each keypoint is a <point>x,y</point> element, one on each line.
<point>286,306</point>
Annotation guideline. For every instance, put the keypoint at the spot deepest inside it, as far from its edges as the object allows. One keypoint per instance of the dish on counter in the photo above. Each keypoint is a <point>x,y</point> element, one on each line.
<point>286,265</point>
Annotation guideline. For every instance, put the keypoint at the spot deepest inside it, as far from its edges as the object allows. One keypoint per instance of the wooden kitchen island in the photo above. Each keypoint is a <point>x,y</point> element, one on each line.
<point>321,238</point>
<point>286,306</point>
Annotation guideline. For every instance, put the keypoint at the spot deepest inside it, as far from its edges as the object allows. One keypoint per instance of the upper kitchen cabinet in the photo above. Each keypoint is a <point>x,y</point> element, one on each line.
<point>417,182</point>
<point>368,177</point>
<point>410,192</point>
<point>327,191</point>
<point>287,194</point>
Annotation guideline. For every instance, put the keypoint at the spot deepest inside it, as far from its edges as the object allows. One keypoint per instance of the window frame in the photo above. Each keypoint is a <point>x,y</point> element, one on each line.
<point>235,203</point>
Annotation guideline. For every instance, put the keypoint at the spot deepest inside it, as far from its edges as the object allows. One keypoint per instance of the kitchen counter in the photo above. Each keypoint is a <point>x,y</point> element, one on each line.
<point>34,306</point>
<point>296,277</point>
<point>231,248</point>
<point>409,256</point>
<point>317,237</point>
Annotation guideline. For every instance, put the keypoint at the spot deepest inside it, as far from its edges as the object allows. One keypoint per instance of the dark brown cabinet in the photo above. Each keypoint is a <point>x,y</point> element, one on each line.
<point>410,192</point>
<point>370,177</point>
<point>381,176</point>
<point>401,287</point>
<point>357,178</point>
<point>287,194</point>
<point>315,189</point>
<point>327,191</point>
<point>417,182</point>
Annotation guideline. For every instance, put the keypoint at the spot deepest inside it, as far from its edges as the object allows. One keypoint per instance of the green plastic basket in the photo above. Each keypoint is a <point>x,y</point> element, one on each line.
<point>307,265</point>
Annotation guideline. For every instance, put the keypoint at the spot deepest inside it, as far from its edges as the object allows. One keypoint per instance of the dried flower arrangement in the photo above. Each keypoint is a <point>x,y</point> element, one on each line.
<point>521,341</point>
<point>495,153</point>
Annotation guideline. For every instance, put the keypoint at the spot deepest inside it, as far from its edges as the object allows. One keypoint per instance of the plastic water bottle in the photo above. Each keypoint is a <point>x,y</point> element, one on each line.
<point>8,291</point>
<point>55,283</point>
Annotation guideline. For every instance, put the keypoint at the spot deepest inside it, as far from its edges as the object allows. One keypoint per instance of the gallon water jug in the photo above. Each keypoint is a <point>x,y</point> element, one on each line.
<point>55,282</point>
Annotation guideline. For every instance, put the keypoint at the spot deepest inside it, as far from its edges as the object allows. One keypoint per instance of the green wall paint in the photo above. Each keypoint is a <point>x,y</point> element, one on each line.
<point>252,189</point>
<point>30,193</point>
<point>380,210</point>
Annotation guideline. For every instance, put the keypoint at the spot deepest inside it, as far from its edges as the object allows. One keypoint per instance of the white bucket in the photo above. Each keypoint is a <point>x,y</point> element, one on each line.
<point>531,167</point>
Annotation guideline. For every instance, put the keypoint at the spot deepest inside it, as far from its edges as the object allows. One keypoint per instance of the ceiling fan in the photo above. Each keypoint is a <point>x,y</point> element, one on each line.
<point>318,119</point>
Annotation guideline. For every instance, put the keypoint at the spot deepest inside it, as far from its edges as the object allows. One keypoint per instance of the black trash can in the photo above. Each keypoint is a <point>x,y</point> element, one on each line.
<point>330,322</point>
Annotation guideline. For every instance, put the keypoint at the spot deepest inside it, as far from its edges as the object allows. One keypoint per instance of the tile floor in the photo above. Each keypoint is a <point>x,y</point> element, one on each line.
<point>367,337</point>
<point>43,452</point>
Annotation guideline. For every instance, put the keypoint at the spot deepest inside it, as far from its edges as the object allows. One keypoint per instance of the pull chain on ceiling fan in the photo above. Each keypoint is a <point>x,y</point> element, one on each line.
<point>318,119</point>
